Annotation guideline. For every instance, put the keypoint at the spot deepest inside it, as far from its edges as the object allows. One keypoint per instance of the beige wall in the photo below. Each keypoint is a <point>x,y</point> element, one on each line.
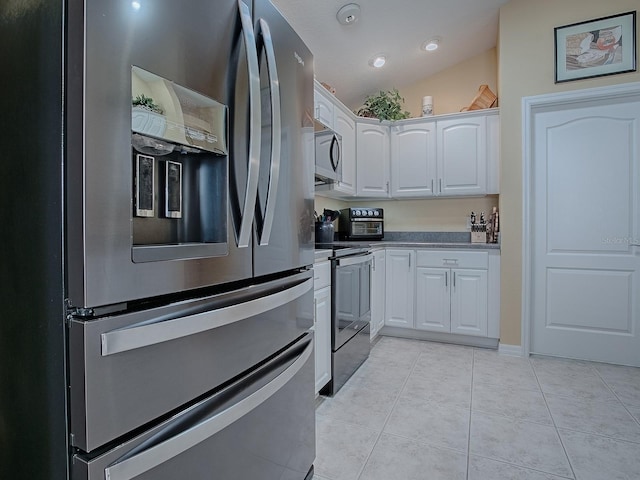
<point>454,88</point>
<point>526,68</point>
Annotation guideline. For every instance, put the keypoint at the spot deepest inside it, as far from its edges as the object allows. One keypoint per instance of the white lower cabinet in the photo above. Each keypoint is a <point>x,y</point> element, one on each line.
<point>322,323</point>
<point>451,300</point>
<point>378,273</point>
<point>400,287</point>
<point>442,290</point>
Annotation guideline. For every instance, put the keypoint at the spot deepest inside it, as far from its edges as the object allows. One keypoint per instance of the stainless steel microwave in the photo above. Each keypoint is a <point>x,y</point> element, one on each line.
<point>328,152</point>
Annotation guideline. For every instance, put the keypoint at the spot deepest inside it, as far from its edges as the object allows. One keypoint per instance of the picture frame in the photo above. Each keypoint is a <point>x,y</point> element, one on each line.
<point>595,48</point>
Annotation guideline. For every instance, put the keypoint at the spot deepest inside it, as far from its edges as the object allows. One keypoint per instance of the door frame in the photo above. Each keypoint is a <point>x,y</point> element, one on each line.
<point>531,106</point>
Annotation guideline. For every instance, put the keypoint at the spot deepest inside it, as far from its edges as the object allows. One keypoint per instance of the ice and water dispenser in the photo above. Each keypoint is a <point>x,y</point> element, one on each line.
<point>180,171</point>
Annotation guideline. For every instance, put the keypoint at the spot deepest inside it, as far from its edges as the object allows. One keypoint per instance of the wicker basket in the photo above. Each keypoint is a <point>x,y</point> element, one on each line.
<point>484,99</point>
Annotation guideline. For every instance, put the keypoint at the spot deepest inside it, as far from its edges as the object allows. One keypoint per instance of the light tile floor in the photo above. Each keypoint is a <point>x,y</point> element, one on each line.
<point>429,411</point>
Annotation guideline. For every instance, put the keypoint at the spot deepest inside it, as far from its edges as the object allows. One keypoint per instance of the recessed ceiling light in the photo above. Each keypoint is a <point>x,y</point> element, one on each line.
<point>378,61</point>
<point>349,14</point>
<point>432,44</point>
<point>135,5</point>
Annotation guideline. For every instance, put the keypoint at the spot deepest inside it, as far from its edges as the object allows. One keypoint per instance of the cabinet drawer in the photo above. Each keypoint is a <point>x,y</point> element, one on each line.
<point>321,274</point>
<point>452,259</point>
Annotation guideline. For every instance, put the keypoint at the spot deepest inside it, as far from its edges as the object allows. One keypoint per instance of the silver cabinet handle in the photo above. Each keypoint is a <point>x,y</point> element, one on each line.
<point>432,186</point>
<point>440,182</point>
<point>446,279</point>
<point>387,187</point>
<point>251,192</point>
<point>144,335</point>
<point>174,446</point>
<point>276,134</point>
<point>454,279</point>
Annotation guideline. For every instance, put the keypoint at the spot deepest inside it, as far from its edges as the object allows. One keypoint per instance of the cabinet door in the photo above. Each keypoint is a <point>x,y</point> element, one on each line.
<point>323,110</point>
<point>346,127</point>
<point>462,156</point>
<point>433,304</point>
<point>400,274</point>
<point>413,160</point>
<point>372,160</point>
<point>322,339</point>
<point>377,292</point>
<point>493,154</point>
<point>469,302</point>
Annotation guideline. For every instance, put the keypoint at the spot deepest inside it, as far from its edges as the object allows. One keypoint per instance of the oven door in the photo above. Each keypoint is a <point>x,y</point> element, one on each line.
<point>351,290</point>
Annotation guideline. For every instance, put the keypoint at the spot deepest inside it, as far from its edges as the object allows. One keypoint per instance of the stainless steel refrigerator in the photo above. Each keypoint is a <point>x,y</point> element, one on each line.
<point>174,296</point>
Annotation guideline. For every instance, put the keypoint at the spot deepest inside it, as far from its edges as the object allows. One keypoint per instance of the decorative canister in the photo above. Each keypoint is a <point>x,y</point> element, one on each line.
<point>427,106</point>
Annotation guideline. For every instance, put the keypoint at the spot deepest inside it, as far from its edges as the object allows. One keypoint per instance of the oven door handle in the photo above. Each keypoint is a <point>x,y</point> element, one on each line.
<point>144,335</point>
<point>354,260</point>
<point>155,455</point>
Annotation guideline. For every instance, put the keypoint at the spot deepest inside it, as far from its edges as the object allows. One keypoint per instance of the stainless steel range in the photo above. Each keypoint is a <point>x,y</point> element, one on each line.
<point>350,312</point>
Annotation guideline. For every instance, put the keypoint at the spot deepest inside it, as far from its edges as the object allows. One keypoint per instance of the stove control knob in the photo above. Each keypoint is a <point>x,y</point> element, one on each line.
<point>357,213</point>
<point>370,212</point>
<point>376,213</point>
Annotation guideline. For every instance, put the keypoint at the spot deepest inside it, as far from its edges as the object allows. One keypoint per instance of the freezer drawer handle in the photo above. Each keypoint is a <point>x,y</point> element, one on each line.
<point>255,128</point>
<point>138,336</point>
<point>276,133</point>
<point>158,454</point>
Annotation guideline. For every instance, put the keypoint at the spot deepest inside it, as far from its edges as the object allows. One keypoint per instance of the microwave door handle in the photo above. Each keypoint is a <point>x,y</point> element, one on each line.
<point>156,455</point>
<point>276,133</point>
<point>334,161</point>
<point>251,192</point>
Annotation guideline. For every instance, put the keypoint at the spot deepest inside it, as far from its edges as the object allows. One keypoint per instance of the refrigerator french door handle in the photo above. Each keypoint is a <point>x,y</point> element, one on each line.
<point>139,336</point>
<point>255,126</point>
<point>158,454</point>
<point>276,133</point>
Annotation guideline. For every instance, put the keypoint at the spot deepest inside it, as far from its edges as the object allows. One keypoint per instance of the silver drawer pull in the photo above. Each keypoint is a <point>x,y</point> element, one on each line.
<point>138,336</point>
<point>165,451</point>
<point>450,261</point>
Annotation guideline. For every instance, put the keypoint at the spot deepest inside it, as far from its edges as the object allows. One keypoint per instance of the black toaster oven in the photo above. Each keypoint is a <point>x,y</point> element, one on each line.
<point>361,223</point>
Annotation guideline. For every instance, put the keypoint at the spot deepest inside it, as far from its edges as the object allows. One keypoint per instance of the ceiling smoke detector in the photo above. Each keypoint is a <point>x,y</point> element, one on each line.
<point>349,14</point>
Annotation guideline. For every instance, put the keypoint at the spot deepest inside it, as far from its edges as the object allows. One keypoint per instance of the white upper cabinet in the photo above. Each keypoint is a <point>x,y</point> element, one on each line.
<point>457,155</point>
<point>413,159</point>
<point>372,159</point>
<point>462,156</point>
<point>493,154</point>
<point>323,110</point>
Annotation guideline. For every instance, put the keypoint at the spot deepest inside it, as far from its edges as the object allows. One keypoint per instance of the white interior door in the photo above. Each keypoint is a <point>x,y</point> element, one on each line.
<point>585,266</point>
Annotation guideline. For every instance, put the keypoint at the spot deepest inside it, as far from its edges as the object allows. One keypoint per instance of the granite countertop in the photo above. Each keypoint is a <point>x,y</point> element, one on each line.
<point>322,254</point>
<point>451,240</point>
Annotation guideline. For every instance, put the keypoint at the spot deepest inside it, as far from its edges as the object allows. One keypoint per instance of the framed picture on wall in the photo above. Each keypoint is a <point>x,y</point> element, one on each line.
<point>603,46</point>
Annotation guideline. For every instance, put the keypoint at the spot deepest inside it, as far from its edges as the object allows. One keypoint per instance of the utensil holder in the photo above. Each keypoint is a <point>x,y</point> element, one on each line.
<point>324,232</point>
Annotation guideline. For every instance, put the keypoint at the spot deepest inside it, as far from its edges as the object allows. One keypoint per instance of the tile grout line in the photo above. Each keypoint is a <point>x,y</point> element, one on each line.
<point>473,365</point>
<point>395,402</point>
<point>637,420</point>
<point>555,426</point>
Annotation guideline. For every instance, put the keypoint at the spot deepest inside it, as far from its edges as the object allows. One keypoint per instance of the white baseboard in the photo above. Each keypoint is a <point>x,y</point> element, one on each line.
<point>512,350</point>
